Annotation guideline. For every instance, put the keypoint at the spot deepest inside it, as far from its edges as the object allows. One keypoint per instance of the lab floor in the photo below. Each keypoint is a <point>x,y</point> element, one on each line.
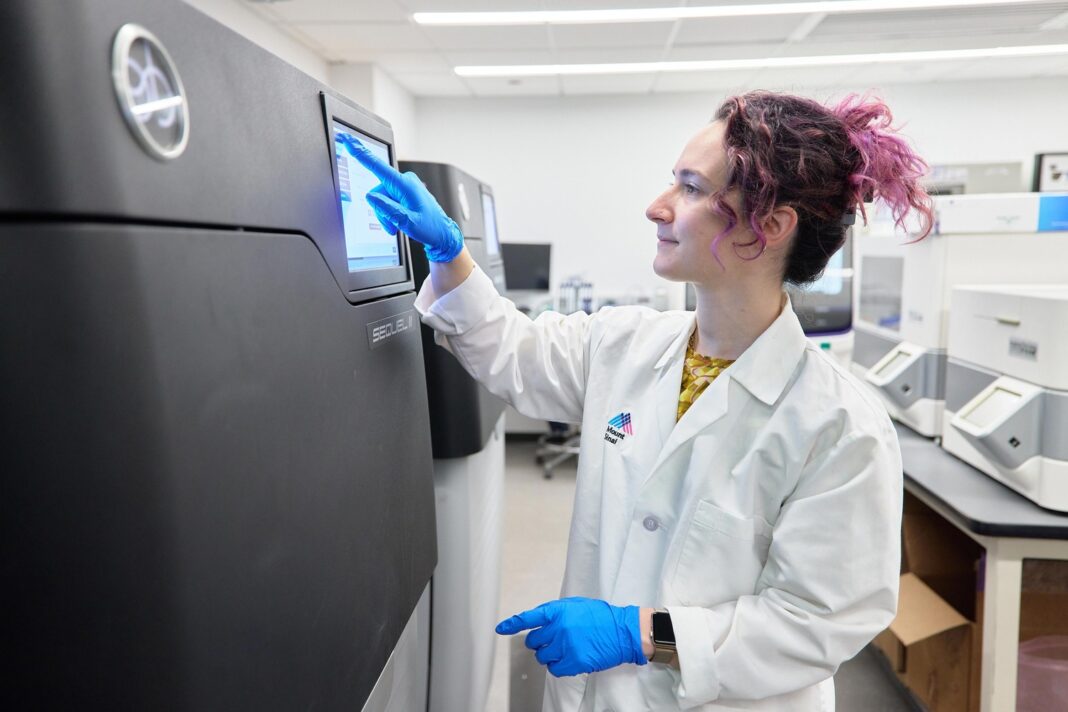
<point>537,513</point>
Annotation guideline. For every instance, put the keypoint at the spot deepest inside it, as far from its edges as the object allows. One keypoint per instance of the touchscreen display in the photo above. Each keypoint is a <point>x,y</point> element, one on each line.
<point>368,246</point>
<point>998,403</point>
<point>489,216</point>
<point>893,364</point>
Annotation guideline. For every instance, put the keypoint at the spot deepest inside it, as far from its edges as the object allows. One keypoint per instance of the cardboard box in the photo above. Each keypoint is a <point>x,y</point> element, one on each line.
<point>935,642</point>
<point>929,646</point>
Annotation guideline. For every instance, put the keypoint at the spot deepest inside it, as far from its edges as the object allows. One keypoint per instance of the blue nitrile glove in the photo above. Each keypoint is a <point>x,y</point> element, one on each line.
<point>577,635</point>
<point>402,202</point>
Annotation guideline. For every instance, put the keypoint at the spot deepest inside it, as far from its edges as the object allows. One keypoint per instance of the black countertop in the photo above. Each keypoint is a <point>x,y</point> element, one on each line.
<point>982,504</point>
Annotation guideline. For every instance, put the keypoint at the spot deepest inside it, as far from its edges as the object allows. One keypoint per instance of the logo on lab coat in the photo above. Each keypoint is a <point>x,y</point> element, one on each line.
<point>619,428</point>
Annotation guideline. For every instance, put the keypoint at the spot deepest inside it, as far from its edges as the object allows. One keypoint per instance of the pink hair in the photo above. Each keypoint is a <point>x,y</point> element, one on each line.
<point>824,162</point>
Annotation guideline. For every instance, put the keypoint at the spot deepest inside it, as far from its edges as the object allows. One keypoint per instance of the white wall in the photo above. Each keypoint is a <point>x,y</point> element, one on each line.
<point>253,27</point>
<point>370,87</point>
<point>395,104</point>
<point>579,171</point>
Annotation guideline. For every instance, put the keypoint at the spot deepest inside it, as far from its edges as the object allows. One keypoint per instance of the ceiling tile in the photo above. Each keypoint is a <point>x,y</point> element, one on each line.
<point>462,38</point>
<point>398,61</point>
<point>606,55</point>
<point>432,83</point>
<point>709,51</point>
<point>1021,67</point>
<point>964,21</point>
<point>604,4</point>
<point>468,5</point>
<point>496,57</point>
<point>609,55</point>
<point>527,86</point>
<point>632,34</point>
<point>875,76</point>
<point>728,82</point>
<point>335,10</point>
<point>341,37</point>
<point>736,30</point>
<point>608,84</point>
<point>799,79</point>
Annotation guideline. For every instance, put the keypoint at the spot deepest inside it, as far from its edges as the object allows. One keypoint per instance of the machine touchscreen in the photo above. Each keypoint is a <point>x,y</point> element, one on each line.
<point>367,245</point>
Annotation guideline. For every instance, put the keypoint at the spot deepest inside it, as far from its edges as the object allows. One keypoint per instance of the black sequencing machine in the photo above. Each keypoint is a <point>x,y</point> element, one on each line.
<point>462,413</point>
<point>216,462</point>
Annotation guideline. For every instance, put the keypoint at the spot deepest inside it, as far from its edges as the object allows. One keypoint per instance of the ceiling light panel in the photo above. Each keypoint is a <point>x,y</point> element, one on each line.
<point>663,14</point>
<point>791,62</point>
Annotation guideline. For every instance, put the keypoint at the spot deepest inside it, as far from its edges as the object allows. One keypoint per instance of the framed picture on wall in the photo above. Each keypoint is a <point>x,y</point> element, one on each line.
<point>1051,172</point>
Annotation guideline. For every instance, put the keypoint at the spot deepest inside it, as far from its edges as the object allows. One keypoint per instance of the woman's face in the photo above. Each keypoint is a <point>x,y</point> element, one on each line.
<point>685,222</point>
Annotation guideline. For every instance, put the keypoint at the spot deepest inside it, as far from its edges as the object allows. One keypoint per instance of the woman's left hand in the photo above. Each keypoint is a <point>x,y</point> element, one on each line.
<point>577,635</point>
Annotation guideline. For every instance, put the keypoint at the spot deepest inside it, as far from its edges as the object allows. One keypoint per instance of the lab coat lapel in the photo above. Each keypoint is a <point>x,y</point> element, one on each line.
<point>763,371</point>
<point>706,410</point>
<point>669,382</point>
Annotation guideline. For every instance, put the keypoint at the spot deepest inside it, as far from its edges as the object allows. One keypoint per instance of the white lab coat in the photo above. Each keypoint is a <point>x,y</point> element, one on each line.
<point>767,520</point>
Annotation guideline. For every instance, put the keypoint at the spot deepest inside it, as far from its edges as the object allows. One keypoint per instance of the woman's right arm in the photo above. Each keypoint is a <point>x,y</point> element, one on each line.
<point>539,366</point>
<point>447,276</point>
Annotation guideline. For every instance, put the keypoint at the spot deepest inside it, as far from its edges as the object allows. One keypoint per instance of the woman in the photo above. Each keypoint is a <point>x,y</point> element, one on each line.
<point>738,493</point>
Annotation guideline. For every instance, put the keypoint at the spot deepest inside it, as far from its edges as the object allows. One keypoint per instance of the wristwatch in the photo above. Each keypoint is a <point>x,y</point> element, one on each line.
<point>662,635</point>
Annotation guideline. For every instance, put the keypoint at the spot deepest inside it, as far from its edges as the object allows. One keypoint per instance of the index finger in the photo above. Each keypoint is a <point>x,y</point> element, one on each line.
<point>534,618</point>
<point>382,170</point>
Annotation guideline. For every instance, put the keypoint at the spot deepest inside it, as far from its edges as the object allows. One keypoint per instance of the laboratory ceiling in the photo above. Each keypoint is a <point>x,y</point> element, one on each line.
<point>422,58</point>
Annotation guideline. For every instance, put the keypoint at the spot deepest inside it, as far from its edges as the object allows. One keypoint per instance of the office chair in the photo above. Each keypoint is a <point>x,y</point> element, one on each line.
<point>555,447</point>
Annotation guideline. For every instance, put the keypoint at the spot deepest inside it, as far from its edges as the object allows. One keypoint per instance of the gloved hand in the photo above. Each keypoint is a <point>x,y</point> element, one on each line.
<point>577,635</point>
<point>402,202</point>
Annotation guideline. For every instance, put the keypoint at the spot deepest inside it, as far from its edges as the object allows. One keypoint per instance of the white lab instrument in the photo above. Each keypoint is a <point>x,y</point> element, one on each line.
<point>1007,386</point>
<point>904,285</point>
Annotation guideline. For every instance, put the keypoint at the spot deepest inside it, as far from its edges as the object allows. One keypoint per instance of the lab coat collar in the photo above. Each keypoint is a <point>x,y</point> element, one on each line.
<point>678,343</point>
<point>766,366</point>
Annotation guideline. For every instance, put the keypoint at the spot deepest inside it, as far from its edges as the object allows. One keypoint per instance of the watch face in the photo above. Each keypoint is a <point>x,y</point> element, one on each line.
<point>663,632</point>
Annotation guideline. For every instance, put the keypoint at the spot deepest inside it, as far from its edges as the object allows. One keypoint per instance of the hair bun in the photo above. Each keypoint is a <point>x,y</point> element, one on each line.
<point>886,167</point>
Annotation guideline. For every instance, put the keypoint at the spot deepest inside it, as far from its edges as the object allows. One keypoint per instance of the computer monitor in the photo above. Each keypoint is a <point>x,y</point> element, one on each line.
<point>526,266</point>
<point>826,305</point>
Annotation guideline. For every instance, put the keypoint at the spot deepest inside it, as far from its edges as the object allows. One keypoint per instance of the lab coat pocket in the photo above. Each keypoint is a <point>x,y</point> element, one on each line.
<point>722,556</point>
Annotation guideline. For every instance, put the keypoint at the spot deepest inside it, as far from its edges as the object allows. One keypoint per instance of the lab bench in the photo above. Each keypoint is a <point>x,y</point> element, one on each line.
<point>1009,527</point>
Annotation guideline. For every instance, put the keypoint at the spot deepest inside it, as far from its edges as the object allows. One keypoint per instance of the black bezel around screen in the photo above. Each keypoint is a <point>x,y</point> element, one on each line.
<point>368,125</point>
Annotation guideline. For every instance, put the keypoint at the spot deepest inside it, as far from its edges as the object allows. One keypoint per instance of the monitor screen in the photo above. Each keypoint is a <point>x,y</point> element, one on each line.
<point>826,305</point>
<point>367,244</point>
<point>526,265</point>
<point>881,286</point>
<point>489,216</point>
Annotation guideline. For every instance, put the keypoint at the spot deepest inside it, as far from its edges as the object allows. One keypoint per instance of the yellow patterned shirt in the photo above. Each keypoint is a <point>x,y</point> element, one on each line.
<point>697,373</point>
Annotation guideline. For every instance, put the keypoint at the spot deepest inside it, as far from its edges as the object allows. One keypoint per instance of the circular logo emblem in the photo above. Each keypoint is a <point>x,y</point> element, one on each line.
<point>150,92</point>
